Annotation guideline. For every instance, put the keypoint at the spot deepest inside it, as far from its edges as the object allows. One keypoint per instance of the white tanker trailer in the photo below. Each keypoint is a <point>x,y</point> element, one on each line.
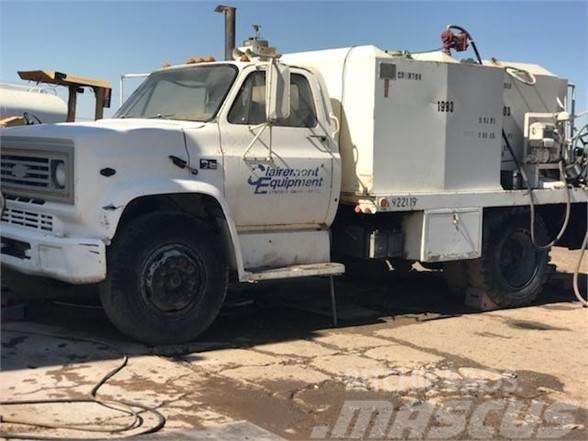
<point>33,103</point>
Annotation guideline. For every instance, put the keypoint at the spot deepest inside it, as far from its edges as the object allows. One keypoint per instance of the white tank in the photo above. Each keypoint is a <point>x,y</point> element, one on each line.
<point>47,107</point>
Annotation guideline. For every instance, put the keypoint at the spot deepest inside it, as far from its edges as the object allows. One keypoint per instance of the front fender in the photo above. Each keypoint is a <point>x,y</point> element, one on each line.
<point>113,203</point>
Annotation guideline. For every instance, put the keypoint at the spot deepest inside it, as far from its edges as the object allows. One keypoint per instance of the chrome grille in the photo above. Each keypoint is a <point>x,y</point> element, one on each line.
<point>25,171</point>
<point>27,166</point>
<point>30,219</point>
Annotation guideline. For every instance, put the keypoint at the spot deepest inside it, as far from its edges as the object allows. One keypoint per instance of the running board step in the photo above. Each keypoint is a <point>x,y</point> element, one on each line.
<point>294,271</point>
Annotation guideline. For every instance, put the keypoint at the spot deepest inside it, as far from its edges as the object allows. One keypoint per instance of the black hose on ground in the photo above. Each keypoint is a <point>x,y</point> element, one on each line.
<point>124,407</point>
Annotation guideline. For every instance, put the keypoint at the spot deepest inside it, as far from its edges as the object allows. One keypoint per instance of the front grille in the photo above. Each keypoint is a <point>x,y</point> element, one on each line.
<point>25,199</point>
<point>27,167</point>
<point>28,219</point>
<point>25,171</point>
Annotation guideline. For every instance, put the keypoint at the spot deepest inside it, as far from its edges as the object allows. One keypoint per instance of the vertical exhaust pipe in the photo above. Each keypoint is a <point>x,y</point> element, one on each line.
<point>230,13</point>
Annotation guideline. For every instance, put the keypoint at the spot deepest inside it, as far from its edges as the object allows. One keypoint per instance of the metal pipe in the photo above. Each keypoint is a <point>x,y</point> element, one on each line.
<point>72,102</point>
<point>230,13</point>
<point>122,85</point>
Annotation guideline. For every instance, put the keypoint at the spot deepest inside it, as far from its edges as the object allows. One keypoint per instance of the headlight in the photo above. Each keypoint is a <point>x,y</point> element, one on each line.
<point>58,174</point>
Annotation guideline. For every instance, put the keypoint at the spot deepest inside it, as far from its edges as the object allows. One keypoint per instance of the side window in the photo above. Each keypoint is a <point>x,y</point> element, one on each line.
<point>249,107</point>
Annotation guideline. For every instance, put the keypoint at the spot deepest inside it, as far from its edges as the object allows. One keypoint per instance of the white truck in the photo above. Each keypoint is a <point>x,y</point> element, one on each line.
<point>268,167</point>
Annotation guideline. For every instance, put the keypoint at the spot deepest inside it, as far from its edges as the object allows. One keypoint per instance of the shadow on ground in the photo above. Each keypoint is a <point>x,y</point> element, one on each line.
<point>254,314</point>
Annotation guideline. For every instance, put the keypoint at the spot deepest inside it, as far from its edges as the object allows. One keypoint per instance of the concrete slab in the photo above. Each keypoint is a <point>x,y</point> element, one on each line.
<point>221,359</point>
<point>352,366</point>
<point>237,431</point>
<point>403,356</point>
<point>400,383</point>
<point>351,341</point>
<point>532,339</point>
<point>260,374</point>
<point>300,348</point>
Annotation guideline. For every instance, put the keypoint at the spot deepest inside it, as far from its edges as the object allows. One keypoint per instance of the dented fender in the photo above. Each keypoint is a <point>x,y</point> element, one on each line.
<point>118,197</point>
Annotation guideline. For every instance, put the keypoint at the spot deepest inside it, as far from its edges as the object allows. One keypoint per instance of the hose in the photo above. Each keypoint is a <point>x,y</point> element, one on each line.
<point>474,47</point>
<point>125,407</point>
<point>514,72</point>
<point>577,293</point>
<point>521,170</point>
<point>568,211</point>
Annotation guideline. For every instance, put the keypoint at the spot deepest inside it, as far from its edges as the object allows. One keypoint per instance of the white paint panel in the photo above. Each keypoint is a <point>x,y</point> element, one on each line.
<point>395,137</point>
<point>451,234</point>
<point>285,248</point>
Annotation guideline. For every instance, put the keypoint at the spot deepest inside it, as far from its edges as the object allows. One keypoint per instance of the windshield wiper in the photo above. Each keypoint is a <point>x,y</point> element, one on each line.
<point>159,115</point>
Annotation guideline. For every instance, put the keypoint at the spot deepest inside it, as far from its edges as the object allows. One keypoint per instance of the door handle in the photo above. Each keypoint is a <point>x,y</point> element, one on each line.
<point>321,138</point>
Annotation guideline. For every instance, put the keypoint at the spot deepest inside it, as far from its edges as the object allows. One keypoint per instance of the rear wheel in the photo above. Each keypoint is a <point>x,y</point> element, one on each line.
<point>167,279</point>
<point>511,271</point>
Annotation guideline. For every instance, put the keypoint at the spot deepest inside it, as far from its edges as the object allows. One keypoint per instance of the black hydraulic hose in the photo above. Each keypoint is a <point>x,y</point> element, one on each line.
<point>473,43</point>
<point>582,300</point>
<point>125,407</point>
<point>523,174</point>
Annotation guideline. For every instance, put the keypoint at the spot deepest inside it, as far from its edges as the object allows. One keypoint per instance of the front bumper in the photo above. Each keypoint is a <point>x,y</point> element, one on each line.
<point>73,260</point>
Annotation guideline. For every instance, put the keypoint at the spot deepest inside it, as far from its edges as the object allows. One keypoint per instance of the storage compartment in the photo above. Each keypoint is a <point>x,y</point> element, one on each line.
<point>443,235</point>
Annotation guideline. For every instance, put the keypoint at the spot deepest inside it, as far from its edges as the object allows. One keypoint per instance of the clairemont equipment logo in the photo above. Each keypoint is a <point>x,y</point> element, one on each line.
<point>270,180</point>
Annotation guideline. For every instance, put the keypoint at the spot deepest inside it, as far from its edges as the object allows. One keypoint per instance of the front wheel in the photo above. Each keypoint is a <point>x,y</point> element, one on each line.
<point>167,279</point>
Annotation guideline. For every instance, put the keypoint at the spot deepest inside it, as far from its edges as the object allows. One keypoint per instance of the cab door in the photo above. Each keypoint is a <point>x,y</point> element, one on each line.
<point>291,185</point>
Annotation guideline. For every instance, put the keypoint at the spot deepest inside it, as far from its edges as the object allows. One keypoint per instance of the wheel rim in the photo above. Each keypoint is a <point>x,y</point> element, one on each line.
<point>172,278</point>
<point>518,260</point>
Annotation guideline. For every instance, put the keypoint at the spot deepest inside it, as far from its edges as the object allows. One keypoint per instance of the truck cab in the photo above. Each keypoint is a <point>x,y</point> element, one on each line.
<point>189,186</point>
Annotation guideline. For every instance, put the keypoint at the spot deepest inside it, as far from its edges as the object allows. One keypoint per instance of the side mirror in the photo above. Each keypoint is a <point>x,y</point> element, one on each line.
<point>277,92</point>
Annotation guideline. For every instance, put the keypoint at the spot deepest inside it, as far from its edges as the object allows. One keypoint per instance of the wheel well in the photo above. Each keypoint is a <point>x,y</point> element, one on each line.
<point>553,217</point>
<point>199,206</point>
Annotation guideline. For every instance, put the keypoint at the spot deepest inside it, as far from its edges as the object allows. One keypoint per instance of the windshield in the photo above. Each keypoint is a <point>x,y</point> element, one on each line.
<point>193,94</point>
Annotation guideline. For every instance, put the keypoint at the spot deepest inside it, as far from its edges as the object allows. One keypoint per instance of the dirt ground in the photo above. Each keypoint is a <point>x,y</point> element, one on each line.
<point>404,360</point>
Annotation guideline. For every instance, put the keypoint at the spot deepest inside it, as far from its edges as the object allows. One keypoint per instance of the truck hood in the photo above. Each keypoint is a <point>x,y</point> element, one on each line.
<point>105,128</point>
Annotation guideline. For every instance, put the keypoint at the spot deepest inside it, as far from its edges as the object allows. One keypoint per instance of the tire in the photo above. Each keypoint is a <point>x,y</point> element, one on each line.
<point>167,279</point>
<point>511,271</point>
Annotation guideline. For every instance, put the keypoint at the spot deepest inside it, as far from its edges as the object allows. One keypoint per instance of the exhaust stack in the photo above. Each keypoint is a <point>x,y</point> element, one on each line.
<point>230,14</point>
